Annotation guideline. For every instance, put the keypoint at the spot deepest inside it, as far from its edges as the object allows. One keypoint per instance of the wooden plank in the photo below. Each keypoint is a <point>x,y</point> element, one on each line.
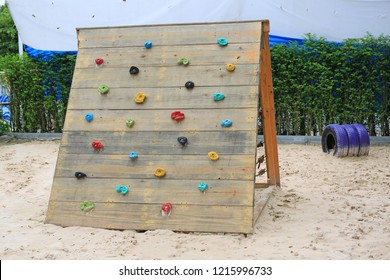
<point>158,142</point>
<point>160,120</point>
<point>244,53</point>
<point>183,34</point>
<point>195,218</point>
<point>154,191</point>
<point>268,110</point>
<point>174,76</point>
<point>228,167</point>
<point>261,185</point>
<point>164,98</point>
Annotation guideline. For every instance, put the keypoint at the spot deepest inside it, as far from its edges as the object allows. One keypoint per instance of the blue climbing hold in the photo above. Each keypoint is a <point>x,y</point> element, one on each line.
<point>226,123</point>
<point>202,186</point>
<point>222,41</point>
<point>89,117</point>
<point>122,189</point>
<point>133,155</point>
<point>148,44</point>
<point>218,96</point>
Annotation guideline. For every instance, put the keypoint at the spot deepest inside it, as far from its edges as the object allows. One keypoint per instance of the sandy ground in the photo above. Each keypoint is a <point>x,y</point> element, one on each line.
<point>326,208</point>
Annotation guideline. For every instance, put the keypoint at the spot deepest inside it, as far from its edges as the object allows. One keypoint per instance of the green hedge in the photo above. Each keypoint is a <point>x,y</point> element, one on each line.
<point>318,83</point>
<point>39,90</point>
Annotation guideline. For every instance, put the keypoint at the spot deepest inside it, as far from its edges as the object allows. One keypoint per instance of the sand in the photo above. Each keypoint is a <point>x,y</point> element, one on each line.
<point>327,208</point>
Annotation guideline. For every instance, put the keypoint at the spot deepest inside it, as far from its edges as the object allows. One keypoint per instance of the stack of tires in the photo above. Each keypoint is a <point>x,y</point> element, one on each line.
<point>346,140</point>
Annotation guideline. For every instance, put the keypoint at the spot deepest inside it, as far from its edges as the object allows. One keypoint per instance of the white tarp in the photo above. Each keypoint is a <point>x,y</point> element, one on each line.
<point>51,24</point>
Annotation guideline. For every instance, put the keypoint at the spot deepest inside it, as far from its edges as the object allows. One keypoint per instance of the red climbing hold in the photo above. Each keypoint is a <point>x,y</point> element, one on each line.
<point>177,116</point>
<point>99,61</point>
<point>166,209</point>
<point>97,146</point>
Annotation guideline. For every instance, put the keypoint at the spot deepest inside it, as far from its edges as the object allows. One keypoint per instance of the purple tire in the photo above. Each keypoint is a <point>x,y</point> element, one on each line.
<point>364,139</point>
<point>335,137</point>
<point>353,140</point>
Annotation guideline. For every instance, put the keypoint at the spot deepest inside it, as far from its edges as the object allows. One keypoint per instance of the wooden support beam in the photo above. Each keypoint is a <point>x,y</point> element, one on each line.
<point>268,108</point>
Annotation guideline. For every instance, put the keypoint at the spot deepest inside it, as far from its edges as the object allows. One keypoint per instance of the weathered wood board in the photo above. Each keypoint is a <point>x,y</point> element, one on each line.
<point>228,203</point>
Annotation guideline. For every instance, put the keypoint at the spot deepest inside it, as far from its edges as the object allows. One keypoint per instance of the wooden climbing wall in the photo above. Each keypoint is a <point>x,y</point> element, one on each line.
<point>228,202</point>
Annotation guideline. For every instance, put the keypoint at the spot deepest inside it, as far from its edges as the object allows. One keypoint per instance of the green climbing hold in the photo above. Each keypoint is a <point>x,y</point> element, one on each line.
<point>103,89</point>
<point>219,96</point>
<point>130,123</point>
<point>183,61</point>
<point>87,206</point>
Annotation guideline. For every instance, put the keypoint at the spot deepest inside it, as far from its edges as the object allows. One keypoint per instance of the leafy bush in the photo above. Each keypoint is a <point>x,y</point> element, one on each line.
<point>8,33</point>
<point>39,90</point>
<point>4,126</point>
<point>319,83</point>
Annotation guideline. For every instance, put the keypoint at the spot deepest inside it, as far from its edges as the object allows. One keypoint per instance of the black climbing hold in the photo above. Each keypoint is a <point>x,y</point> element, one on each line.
<point>189,85</point>
<point>182,140</point>
<point>80,175</point>
<point>134,70</point>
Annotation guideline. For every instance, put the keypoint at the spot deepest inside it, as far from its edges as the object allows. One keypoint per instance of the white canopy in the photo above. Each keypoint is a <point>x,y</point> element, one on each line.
<point>51,24</point>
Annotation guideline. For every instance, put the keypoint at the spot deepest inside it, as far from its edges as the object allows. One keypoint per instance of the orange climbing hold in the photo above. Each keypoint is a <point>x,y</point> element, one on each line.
<point>213,155</point>
<point>230,67</point>
<point>140,97</point>
<point>160,172</point>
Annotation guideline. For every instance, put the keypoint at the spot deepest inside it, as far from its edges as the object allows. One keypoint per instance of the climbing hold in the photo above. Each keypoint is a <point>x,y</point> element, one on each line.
<point>160,172</point>
<point>166,209</point>
<point>103,89</point>
<point>218,96</point>
<point>87,206</point>
<point>189,85</point>
<point>177,116</point>
<point>222,41</point>
<point>89,117</point>
<point>140,97</point>
<point>202,187</point>
<point>97,146</point>
<point>182,140</point>
<point>133,155</point>
<point>148,44</point>
<point>99,61</point>
<point>183,61</point>
<point>130,122</point>
<point>80,175</point>
<point>226,123</point>
<point>134,70</point>
<point>122,189</point>
<point>213,155</point>
<point>230,67</point>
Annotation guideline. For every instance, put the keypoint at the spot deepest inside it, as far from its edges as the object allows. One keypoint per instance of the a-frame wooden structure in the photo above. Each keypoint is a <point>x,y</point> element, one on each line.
<point>137,91</point>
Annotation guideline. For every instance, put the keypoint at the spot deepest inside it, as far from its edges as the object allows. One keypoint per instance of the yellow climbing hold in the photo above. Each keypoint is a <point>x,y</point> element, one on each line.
<point>213,155</point>
<point>140,97</point>
<point>160,172</point>
<point>230,67</point>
